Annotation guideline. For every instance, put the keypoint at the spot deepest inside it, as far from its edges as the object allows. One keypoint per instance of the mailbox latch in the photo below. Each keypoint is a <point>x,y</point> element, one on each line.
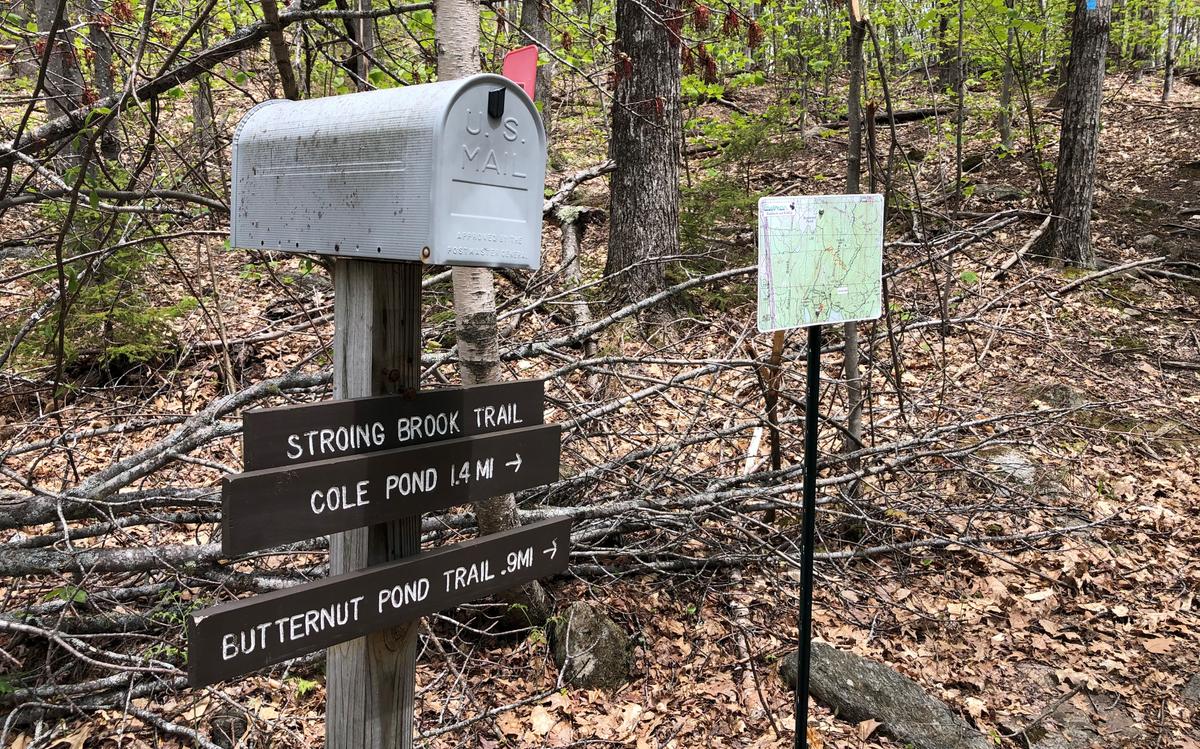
<point>496,103</point>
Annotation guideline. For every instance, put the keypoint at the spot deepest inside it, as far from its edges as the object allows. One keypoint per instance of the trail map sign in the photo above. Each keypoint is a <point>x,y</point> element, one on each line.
<point>820,260</point>
<point>234,638</point>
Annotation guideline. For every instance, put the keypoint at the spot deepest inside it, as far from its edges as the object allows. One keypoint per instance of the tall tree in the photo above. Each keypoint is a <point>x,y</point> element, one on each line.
<point>534,30</point>
<point>1004,122</point>
<point>1170,50</point>
<point>644,215</point>
<point>366,43</point>
<point>102,70</point>
<point>279,50</point>
<point>858,34</point>
<point>475,292</point>
<point>1071,232</point>
<point>64,83</point>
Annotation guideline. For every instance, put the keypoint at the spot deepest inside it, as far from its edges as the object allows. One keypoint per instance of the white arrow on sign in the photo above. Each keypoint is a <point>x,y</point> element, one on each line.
<point>516,463</point>
<point>552,550</point>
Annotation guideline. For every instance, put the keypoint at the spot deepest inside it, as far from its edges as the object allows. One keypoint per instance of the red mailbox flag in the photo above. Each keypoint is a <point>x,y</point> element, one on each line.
<point>520,66</point>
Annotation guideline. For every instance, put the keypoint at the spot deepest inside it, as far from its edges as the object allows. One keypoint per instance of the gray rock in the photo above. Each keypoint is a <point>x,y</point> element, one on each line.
<point>1006,469</point>
<point>858,689</point>
<point>1151,205</point>
<point>1147,241</point>
<point>972,162</point>
<point>999,192</point>
<point>230,728</point>
<point>1069,727</point>
<point>1082,722</point>
<point>1191,690</point>
<point>591,650</point>
<point>1061,394</point>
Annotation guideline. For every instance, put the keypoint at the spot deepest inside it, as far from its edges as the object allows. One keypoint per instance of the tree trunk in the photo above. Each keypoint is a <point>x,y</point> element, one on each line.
<point>102,68</point>
<point>1141,51</point>
<point>204,128</point>
<point>1169,52</point>
<point>279,51</point>
<point>854,391</point>
<point>573,220</point>
<point>1006,85</point>
<point>1071,236</point>
<point>960,82</point>
<point>535,30</point>
<point>64,84</point>
<point>366,43</point>
<point>457,30</point>
<point>644,215</point>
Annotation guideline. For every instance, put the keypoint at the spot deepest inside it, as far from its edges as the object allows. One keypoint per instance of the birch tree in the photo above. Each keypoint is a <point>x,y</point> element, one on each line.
<point>457,29</point>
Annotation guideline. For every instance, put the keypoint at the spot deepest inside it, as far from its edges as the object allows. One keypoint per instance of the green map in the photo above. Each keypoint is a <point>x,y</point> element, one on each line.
<point>820,260</point>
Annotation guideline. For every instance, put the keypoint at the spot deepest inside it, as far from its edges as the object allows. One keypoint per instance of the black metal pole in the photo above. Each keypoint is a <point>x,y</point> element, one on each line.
<point>808,531</point>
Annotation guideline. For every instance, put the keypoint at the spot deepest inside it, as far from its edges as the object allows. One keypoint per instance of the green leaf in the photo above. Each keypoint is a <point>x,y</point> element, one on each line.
<point>241,77</point>
<point>304,686</point>
<point>969,277</point>
<point>67,593</point>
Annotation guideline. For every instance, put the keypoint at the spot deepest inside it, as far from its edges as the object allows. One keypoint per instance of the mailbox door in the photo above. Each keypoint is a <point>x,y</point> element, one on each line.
<point>488,192</point>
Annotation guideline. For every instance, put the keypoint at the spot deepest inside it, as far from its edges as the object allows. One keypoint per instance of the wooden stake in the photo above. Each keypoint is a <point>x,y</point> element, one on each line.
<point>370,682</point>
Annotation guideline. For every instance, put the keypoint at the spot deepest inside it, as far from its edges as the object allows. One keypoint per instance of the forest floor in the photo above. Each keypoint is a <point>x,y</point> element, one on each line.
<point>1088,637</point>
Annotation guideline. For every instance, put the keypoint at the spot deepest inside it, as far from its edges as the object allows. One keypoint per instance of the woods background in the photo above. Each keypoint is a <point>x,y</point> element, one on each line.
<point>1009,456</point>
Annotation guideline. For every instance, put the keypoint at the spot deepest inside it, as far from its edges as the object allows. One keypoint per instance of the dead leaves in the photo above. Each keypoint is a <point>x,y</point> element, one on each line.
<point>1159,645</point>
<point>550,722</point>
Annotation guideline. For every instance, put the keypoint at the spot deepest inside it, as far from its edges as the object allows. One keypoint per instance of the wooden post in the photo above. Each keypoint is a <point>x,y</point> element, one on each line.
<point>370,682</point>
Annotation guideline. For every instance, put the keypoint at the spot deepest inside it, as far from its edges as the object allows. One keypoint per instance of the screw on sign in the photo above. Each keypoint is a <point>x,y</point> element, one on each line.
<point>279,505</point>
<point>292,435</point>
<point>234,638</point>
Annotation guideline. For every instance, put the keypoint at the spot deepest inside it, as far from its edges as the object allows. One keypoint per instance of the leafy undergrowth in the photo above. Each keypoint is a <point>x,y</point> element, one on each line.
<point>1035,567</point>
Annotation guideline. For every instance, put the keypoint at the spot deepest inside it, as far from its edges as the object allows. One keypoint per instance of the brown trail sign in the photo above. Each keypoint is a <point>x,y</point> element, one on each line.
<point>291,435</point>
<point>261,509</point>
<point>235,638</point>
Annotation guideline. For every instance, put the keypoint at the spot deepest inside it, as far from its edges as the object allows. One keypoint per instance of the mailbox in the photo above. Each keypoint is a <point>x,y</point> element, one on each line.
<point>450,173</point>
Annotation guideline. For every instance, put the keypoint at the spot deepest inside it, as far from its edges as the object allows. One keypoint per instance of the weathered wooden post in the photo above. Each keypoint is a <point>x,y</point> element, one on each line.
<point>370,681</point>
<point>448,173</point>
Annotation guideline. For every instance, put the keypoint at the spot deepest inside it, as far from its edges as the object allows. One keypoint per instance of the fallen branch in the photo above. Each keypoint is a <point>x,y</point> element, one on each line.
<point>1029,244</point>
<point>243,39</point>
<point>568,185</point>
<point>1106,272</point>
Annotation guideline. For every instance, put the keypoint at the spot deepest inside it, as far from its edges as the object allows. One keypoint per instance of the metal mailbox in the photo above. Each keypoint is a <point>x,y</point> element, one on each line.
<point>449,173</point>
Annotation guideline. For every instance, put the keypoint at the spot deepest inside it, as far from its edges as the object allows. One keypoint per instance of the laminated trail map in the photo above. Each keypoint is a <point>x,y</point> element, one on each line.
<point>820,260</point>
